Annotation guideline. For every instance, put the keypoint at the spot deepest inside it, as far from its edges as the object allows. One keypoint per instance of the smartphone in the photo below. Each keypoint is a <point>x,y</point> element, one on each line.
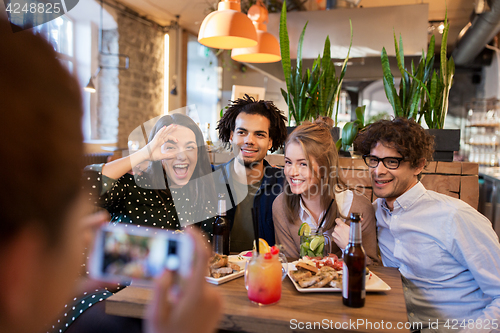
<point>127,252</point>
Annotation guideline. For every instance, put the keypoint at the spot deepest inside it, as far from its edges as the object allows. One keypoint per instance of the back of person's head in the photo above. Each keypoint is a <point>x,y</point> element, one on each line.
<point>42,143</point>
<point>247,104</point>
<point>317,143</point>
<point>402,134</point>
<point>42,162</point>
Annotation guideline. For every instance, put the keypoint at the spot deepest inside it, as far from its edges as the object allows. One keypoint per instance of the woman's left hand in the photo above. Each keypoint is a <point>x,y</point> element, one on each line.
<point>340,234</point>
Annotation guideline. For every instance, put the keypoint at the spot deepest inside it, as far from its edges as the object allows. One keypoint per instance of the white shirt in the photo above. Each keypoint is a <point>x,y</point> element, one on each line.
<point>342,199</point>
<point>448,255</point>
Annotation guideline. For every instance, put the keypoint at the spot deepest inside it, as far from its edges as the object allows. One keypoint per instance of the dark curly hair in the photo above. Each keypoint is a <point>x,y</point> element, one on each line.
<point>405,135</point>
<point>247,104</point>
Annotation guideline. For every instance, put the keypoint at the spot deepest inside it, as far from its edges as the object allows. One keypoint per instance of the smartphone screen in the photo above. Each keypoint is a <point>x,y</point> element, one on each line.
<point>125,252</point>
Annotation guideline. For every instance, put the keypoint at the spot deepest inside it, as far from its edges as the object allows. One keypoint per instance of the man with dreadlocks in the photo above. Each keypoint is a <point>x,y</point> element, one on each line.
<point>251,128</point>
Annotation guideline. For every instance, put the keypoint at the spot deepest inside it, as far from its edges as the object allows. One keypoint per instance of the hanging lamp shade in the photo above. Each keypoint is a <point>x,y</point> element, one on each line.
<point>90,86</point>
<point>227,27</point>
<point>267,48</point>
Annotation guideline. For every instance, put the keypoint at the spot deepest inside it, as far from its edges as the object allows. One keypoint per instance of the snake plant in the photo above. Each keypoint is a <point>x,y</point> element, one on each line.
<point>329,85</point>
<point>406,102</point>
<point>313,93</point>
<point>419,86</point>
<point>437,89</point>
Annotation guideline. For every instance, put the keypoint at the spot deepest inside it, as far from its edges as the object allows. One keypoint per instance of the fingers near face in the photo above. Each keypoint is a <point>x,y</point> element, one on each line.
<point>182,150</point>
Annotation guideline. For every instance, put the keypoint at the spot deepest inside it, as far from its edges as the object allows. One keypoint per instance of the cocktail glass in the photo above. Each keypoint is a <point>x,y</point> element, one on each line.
<point>315,244</point>
<point>263,276</point>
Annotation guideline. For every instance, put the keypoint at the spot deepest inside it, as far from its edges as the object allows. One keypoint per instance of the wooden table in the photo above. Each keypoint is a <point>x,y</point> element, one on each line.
<point>294,311</point>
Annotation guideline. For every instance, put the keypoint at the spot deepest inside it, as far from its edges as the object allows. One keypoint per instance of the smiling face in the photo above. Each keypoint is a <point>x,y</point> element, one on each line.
<point>390,184</point>
<point>250,139</point>
<point>298,173</point>
<point>181,166</point>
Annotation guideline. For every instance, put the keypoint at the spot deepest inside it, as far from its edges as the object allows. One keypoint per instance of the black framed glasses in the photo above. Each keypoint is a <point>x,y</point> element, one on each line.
<point>389,162</point>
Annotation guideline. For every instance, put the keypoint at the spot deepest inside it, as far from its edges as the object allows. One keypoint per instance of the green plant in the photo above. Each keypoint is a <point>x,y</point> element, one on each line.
<point>351,129</point>
<point>406,102</point>
<point>437,89</point>
<point>300,87</point>
<point>313,93</point>
<point>329,85</point>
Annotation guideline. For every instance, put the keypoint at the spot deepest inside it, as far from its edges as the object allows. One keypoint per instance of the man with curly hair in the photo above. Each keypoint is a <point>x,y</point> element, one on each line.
<point>446,251</point>
<point>251,128</point>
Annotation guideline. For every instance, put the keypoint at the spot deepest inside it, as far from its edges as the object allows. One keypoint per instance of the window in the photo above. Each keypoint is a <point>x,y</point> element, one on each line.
<point>203,82</point>
<point>59,32</point>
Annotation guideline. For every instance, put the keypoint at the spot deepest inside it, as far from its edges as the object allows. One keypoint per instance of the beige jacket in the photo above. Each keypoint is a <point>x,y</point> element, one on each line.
<point>287,233</point>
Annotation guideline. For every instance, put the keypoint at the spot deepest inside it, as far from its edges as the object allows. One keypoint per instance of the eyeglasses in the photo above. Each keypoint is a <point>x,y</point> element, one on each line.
<point>391,163</point>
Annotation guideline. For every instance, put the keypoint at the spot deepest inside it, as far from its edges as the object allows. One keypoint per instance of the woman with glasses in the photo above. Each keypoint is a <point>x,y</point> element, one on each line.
<point>311,188</point>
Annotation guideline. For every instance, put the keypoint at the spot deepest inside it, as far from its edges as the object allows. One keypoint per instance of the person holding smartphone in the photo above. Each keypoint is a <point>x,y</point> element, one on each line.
<point>44,217</point>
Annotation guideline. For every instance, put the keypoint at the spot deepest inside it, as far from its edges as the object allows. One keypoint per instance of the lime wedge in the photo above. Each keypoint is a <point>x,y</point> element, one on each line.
<point>304,229</point>
<point>319,250</point>
<point>316,242</point>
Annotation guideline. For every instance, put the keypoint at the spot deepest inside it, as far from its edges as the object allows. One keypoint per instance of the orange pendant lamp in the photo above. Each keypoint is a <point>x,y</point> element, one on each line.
<point>227,27</point>
<point>267,48</point>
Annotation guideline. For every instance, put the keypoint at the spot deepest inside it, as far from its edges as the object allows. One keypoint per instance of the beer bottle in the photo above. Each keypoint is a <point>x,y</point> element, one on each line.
<point>221,229</point>
<point>353,279</point>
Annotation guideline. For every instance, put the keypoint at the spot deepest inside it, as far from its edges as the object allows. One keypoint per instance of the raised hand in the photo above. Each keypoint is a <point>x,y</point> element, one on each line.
<point>155,149</point>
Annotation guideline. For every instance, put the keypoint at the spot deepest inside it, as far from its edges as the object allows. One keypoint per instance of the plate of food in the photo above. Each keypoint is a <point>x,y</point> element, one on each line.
<point>225,268</point>
<point>315,275</point>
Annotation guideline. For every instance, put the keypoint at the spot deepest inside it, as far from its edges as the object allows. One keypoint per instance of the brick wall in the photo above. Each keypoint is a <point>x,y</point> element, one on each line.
<point>141,86</point>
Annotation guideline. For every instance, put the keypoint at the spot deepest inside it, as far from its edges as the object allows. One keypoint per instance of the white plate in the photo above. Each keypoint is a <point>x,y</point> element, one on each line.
<point>374,283</point>
<point>240,261</point>
<point>244,253</point>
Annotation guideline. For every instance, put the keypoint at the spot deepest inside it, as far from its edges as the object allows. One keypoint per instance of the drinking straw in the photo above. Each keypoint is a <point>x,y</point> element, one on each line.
<point>255,220</point>
<point>324,216</point>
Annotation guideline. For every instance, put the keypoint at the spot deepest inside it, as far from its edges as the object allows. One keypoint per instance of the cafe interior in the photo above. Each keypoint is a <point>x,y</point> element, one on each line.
<point>142,59</point>
<point>139,59</point>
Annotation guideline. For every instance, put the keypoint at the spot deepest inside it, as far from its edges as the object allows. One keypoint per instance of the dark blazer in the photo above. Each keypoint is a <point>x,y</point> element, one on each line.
<point>271,187</point>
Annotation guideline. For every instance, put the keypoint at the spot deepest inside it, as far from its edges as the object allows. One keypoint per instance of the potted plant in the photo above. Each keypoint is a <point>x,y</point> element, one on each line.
<point>434,104</point>
<point>314,92</point>
<point>406,102</point>
<point>424,95</point>
<point>329,86</point>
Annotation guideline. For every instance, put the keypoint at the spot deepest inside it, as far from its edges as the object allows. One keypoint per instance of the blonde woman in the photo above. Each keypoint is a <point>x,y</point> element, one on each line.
<point>312,183</point>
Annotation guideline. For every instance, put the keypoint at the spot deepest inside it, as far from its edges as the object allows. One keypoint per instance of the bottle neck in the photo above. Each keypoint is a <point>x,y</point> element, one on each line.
<point>221,210</point>
<point>355,233</point>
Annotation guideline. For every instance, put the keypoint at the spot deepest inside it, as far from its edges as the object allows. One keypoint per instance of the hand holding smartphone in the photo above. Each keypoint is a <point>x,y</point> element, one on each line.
<point>130,252</point>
